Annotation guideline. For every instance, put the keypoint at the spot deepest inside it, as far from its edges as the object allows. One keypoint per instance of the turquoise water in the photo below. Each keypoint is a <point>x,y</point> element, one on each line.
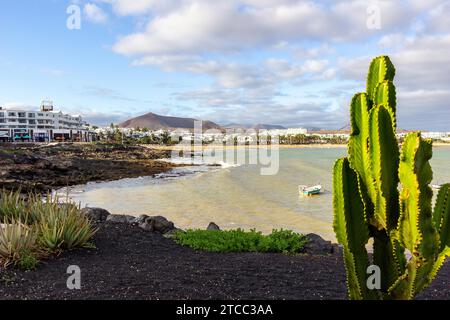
<point>239,196</point>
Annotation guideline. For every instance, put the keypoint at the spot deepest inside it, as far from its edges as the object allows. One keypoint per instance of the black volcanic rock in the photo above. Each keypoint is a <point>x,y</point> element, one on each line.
<point>96,214</point>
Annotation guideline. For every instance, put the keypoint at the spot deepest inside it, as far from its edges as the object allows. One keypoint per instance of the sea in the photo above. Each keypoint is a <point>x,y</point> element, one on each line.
<point>236,195</point>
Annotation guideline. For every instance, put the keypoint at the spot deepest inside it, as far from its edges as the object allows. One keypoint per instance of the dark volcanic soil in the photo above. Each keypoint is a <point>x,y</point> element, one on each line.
<point>42,168</point>
<point>129,263</point>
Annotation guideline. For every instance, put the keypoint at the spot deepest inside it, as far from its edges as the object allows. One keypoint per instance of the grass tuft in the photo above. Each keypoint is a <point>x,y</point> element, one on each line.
<point>28,260</point>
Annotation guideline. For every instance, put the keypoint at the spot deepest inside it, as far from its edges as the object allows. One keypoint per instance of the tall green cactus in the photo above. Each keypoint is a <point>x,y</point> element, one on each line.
<point>410,239</point>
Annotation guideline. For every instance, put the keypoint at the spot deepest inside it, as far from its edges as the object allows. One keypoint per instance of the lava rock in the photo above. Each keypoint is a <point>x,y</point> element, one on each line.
<point>146,226</point>
<point>171,234</point>
<point>141,219</point>
<point>96,214</point>
<point>317,245</point>
<point>213,226</point>
<point>157,224</point>
<point>116,218</point>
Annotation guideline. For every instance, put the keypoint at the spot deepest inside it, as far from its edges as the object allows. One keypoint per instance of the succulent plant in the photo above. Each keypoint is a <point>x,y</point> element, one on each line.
<point>410,240</point>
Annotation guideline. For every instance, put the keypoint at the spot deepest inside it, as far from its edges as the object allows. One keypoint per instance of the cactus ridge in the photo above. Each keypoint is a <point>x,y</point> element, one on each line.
<point>397,221</point>
<point>383,146</point>
<point>385,94</point>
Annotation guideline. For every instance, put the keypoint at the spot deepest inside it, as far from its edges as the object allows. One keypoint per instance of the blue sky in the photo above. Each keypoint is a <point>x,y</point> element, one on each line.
<point>289,62</point>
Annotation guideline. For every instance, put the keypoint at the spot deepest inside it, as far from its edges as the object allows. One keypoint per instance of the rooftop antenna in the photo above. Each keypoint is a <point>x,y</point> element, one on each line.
<point>46,105</point>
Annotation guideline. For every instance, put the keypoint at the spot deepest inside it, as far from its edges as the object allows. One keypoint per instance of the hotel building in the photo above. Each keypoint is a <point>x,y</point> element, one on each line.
<point>45,125</point>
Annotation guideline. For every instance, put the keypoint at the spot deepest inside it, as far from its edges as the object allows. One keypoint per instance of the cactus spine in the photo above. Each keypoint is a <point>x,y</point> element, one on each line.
<point>368,204</point>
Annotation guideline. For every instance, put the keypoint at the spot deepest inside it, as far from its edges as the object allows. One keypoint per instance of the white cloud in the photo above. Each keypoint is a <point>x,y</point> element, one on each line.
<point>439,18</point>
<point>196,27</point>
<point>300,42</point>
<point>95,14</point>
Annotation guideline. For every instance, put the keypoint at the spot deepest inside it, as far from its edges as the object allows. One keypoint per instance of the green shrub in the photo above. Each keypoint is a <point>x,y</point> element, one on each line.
<point>28,260</point>
<point>283,241</point>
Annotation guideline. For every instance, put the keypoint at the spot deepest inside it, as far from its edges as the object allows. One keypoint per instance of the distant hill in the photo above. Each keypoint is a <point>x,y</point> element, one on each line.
<point>256,127</point>
<point>154,121</point>
<point>237,126</point>
<point>268,127</point>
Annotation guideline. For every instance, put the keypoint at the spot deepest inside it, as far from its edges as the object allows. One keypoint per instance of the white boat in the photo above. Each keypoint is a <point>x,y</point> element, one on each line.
<point>310,191</point>
<point>436,186</point>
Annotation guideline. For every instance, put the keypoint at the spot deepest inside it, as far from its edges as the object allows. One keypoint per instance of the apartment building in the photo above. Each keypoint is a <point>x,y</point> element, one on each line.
<point>45,125</point>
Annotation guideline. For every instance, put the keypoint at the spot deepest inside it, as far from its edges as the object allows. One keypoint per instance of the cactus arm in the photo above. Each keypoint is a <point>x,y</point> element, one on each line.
<point>441,215</point>
<point>359,157</point>
<point>439,262</point>
<point>385,94</point>
<point>351,229</point>
<point>384,155</point>
<point>381,69</point>
<point>429,269</point>
<point>416,229</point>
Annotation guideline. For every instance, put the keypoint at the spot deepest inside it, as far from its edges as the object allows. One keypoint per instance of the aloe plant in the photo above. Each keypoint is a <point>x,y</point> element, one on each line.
<point>410,240</point>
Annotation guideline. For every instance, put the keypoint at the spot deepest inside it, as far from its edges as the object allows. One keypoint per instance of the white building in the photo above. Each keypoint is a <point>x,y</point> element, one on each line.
<point>284,132</point>
<point>18,125</point>
<point>435,135</point>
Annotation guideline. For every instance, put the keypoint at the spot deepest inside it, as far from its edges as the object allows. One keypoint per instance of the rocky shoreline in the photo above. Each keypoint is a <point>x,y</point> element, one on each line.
<point>42,168</point>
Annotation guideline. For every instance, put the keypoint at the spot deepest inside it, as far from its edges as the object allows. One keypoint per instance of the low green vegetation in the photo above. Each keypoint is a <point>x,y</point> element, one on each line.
<point>281,241</point>
<point>28,260</point>
<point>35,227</point>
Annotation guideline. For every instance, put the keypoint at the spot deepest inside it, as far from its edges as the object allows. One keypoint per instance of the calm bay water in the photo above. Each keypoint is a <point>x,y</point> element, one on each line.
<point>238,196</point>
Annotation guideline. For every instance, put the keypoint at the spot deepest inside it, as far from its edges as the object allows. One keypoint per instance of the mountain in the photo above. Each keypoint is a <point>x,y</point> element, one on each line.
<point>255,127</point>
<point>154,121</point>
<point>237,126</point>
<point>268,127</point>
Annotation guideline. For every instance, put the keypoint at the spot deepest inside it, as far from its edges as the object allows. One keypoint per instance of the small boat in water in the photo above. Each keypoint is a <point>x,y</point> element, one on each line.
<point>310,191</point>
<point>436,186</point>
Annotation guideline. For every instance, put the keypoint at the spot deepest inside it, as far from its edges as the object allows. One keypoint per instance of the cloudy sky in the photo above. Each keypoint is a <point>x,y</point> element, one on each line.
<point>288,62</point>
